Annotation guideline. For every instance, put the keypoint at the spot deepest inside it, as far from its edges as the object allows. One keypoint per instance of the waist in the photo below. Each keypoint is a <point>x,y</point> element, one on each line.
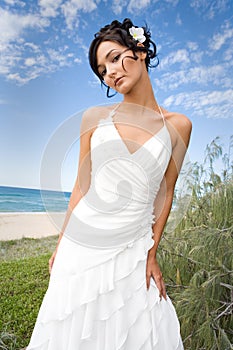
<point>97,230</point>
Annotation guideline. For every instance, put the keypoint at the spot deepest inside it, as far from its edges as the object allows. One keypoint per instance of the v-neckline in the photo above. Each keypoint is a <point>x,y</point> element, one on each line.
<point>143,145</point>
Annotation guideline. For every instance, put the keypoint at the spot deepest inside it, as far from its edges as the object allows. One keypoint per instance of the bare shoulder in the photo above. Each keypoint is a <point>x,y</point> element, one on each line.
<point>178,120</point>
<point>179,124</point>
<point>91,117</point>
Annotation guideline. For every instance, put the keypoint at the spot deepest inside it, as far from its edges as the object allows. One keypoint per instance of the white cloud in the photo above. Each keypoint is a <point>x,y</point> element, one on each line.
<point>77,60</point>
<point>172,2</point>
<point>94,83</point>
<point>21,60</point>
<point>118,5</point>
<point>12,25</point>
<point>132,5</point>
<point>71,10</point>
<point>135,5</point>
<point>27,61</point>
<point>49,8</point>
<point>192,45</point>
<point>82,46</point>
<point>197,56</point>
<point>178,20</point>
<point>21,80</point>
<point>202,76</point>
<point>194,54</point>
<point>228,54</point>
<point>178,56</point>
<point>208,8</point>
<point>15,2</point>
<point>58,56</point>
<point>219,39</point>
<point>10,57</point>
<point>210,104</point>
<point>30,61</point>
<point>32,46</point>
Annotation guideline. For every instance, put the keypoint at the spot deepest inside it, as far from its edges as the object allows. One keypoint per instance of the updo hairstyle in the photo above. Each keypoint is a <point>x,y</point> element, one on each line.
<point>119,33</point>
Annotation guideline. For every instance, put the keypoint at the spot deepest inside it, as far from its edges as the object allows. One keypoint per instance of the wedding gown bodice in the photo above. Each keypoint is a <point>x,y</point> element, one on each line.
<point>118,207</point>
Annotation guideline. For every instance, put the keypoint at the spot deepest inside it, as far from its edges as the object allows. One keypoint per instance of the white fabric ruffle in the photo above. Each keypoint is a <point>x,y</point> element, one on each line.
<point>97,300</point>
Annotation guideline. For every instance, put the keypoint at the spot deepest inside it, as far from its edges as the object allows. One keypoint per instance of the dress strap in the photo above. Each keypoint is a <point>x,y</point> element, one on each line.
<point>111,114</point>
<point>162,114</point>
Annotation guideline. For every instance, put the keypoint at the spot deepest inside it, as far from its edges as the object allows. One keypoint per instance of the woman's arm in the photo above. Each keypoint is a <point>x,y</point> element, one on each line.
<point>180,127</point>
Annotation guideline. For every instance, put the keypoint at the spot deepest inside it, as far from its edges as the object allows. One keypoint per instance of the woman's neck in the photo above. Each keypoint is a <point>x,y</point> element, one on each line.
<point>143,95</point>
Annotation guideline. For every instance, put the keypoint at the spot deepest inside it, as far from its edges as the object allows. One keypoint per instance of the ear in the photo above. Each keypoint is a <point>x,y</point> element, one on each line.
<point>141,54</point>
<point>140,44</point>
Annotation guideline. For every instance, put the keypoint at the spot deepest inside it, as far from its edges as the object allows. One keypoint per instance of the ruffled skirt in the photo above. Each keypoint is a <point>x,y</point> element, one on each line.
<point>97,300</point>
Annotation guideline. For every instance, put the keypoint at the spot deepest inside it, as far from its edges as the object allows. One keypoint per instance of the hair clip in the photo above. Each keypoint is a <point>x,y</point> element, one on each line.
<point>137,34</point>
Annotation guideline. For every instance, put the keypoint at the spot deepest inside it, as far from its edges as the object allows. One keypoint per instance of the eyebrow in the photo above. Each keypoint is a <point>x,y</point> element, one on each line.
<point>99,65</point>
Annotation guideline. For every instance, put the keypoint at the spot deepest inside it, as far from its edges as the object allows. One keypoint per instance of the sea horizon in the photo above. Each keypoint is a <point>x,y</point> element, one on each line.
<point>32,200</point>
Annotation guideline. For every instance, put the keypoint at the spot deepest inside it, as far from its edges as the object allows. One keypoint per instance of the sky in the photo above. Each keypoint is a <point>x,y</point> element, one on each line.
<point>46,82</point>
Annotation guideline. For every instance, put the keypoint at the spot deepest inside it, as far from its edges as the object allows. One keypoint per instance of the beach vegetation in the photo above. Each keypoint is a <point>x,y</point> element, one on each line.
<point>196,257</point>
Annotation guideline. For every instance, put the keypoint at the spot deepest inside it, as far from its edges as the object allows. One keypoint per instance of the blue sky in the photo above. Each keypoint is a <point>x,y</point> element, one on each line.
<point>45,77</point>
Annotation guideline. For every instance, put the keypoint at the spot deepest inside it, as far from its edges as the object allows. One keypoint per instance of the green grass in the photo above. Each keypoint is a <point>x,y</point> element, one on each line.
<point>24,280</point>
<point>26,248</point>
<point>197,257</point>
<point>198,268</point>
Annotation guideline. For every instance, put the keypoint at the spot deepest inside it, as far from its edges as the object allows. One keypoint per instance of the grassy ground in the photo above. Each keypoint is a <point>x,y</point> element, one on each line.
<point>23,282</point>
<point>26,248</point>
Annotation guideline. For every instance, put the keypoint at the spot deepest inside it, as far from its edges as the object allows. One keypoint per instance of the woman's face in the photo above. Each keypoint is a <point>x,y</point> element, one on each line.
<point>122,78</point>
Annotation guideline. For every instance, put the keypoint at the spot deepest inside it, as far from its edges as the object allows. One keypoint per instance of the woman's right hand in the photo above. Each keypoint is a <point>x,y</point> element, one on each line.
<point>51,260</point>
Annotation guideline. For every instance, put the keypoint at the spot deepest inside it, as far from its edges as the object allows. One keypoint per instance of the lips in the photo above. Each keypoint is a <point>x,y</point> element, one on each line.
<point>117,80</point>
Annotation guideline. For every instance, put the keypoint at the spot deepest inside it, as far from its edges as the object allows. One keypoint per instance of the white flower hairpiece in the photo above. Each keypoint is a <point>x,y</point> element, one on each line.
<point>137,34</point>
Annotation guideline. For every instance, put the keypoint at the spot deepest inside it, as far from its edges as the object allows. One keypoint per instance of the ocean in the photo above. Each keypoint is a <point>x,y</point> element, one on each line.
<point>17,199</point>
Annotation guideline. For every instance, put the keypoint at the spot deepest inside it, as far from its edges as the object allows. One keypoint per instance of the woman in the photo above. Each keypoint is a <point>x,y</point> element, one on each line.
<point>106,289</point>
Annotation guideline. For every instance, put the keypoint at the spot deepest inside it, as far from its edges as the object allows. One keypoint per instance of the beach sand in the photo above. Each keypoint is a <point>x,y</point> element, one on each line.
<point>32,225</point>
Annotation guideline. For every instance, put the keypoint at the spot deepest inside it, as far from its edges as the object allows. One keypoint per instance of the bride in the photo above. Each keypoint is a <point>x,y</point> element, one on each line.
<point>106,289</point>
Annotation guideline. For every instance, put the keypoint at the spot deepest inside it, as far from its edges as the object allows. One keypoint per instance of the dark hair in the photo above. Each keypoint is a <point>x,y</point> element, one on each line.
<point>119,32</point>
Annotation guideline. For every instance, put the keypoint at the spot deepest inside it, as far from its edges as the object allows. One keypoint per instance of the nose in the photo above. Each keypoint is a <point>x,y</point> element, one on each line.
<point>111,70</point>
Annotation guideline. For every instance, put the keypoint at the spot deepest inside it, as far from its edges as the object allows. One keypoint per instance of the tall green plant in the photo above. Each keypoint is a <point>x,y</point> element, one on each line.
<point>196,258</point>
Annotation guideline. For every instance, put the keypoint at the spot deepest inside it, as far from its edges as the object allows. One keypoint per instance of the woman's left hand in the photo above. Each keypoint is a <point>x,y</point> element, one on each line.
<point>153,270</point>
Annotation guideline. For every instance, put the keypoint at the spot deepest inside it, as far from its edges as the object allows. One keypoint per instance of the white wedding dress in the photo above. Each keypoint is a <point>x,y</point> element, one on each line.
<point>97,297</point>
